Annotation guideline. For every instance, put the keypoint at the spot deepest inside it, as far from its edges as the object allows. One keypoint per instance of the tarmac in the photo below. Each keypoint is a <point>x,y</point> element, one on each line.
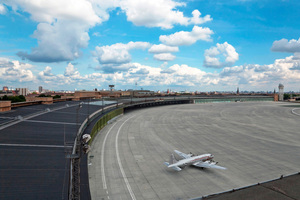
<point>34,142</point>
<point>255,141</point>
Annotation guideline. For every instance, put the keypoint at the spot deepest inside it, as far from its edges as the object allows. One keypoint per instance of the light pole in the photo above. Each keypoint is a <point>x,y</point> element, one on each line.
<point>77,117</point>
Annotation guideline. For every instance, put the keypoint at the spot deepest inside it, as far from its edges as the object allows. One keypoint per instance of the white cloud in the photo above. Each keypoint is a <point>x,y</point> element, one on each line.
<point>196,19</point>
<point>71,71</point>
<point>164,56</point>
<point>47,71</point>
<point>63,26</point>
<point>260,76</point>
<point>159,13</point>
<point>296,66</point>
<point>187,38</point>
<point>225,50</point>
<point>161,48</point>
<point>250,77</point>
<point>117,54</point>
<point>10,71</point>
<point>2,9</point>
<point>62,30</point>
<point>112,68</point>
<point>60,41</point>
<point>52,10</point>
<point>284,45</point>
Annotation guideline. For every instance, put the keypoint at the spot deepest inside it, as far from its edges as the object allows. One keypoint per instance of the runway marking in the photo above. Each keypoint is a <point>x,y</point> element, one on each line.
<point>293,111</point>
<point>120,164</point>
<point>102,159</point>
<point>35,145</point>
<point>7,118</point>
<point>50,122</point>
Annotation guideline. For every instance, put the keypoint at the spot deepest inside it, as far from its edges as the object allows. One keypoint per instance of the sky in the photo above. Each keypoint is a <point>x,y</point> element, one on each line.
<point>193,45</point>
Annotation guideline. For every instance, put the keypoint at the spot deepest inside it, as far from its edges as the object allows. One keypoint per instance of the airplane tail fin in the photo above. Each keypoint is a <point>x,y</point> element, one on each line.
<point>172,159</point>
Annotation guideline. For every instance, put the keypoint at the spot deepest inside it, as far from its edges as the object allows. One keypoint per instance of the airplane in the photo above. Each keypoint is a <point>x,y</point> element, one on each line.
<point>202,161</point>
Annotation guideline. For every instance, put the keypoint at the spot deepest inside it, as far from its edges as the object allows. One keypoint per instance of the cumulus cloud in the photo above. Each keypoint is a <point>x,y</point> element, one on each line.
<point>159,13</point>
<point>62,30</point>
<point>71,76</point>
<point>71,71</point>
<point>60,41</point>
<point>117,54</point>
<point>112,68</point>
<point>250,76</point>
<point>2,9</point>
<point>214,54</point>
<point>296,66</point>
<point>63,26</point>
<point>196,19</point>
<point>47,72</point>
<point>164,57</point>
<point>284,45</point>
<point>161,48</point>
<point>10,71</point>
<point>254,75</point>
<point>187,38</point>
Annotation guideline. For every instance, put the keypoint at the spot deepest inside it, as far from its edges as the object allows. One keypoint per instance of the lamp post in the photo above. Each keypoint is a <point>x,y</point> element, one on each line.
<point>77,117</point>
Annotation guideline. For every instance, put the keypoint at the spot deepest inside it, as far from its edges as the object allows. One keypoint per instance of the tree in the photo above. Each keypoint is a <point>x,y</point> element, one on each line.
<point>286,96</point>
<point>5,98</point>
<point>57,97</point>
<point>22,97</point>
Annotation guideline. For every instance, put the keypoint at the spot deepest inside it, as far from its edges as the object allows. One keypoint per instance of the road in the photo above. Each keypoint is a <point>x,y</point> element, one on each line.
<point>255,141</point>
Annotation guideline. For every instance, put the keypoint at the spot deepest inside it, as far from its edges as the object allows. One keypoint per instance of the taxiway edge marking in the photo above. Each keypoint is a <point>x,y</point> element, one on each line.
<point>119,161</point>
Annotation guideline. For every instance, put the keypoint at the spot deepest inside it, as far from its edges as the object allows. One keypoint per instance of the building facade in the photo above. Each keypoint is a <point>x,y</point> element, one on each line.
<point>22,91</point>
<point>281,92</point>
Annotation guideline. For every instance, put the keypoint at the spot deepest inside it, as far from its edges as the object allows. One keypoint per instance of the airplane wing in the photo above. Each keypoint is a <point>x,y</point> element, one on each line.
<point>175,167</point>
<point>208,165</point>
<point>182,155</point>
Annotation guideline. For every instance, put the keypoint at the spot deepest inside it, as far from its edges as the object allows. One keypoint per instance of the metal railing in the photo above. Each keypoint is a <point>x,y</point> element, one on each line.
<point>102,122</point>
<point>74,189</point>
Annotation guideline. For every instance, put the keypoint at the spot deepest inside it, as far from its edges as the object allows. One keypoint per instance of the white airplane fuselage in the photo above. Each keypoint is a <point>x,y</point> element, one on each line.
<point>192,160</point>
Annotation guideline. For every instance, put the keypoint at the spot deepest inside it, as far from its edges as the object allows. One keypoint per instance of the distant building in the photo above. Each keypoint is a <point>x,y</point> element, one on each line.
<point>5,89</point>
<point>22,91</point>
<point>40,89</point>
<point>281,87</point>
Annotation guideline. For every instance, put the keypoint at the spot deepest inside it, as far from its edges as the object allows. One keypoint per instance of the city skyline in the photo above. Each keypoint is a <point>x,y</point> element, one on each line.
<point>181,45</point>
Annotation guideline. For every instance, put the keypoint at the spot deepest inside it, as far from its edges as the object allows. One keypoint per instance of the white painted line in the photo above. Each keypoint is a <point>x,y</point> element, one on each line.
<point>120,164</point>
<point>293,111</point>
<point>50,122</point>
<point>7,118</point>
<point>102,159</point>
<point>32,116</point>
<point>35,145</point>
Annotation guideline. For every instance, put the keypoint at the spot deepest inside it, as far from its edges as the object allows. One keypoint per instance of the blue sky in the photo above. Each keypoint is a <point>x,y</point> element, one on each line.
<point>194,45</point>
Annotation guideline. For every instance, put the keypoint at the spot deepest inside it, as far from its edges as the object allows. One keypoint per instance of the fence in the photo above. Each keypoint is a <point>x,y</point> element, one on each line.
<point>102,122</point>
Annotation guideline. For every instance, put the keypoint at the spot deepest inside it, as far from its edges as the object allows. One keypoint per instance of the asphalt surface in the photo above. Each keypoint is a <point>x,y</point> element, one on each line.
<point>34,142</point>
<point>255,141</point>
